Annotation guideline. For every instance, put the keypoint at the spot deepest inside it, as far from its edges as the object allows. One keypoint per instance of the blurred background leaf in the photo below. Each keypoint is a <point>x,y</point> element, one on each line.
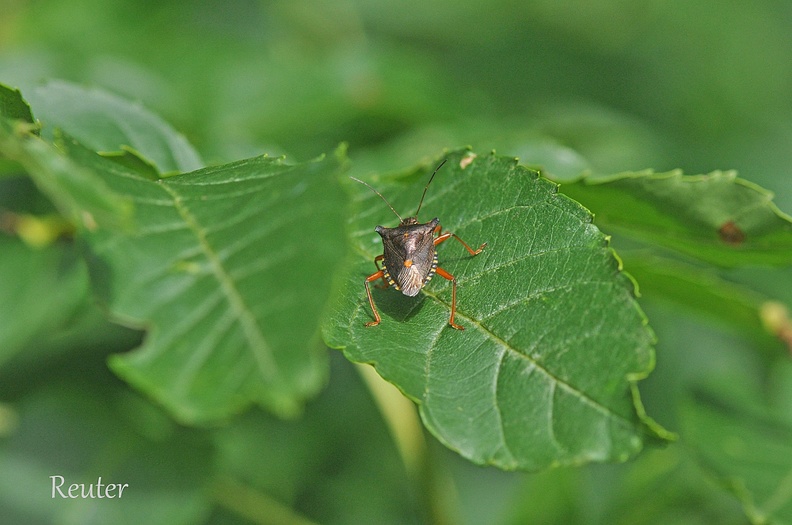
<point>745,441</point>
<point>13,106</point>
<point>28,275</point>
<point>573,88</point>
<point>686,73</point>
<point>81,196</point>
<point>718,218</point>
<point>109,124</point>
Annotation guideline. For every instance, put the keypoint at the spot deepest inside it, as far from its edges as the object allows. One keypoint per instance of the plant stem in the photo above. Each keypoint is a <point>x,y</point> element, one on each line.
<point>434,486</point>
<point>254,505</point>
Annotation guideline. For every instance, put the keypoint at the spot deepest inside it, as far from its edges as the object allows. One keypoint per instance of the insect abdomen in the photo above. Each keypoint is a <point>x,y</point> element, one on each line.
<point>409,280</point>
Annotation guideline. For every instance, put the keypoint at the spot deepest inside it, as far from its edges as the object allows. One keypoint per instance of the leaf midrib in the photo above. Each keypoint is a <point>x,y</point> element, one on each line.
<point>567,386</point>
<point>261,350</point>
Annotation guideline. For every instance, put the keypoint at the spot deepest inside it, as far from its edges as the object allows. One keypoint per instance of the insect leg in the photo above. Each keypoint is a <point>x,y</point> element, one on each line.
<point>385,282</point>
<point>373,277</point>
<point>444,237</point>
<point>445,275</point>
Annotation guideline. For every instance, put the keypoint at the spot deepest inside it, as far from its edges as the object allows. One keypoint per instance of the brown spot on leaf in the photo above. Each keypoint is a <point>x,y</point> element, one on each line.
<point>730,233</point>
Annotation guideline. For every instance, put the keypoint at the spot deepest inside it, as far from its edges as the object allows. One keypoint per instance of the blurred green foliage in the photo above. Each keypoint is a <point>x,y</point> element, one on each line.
<point>630,85</point>
<point>573,87</point>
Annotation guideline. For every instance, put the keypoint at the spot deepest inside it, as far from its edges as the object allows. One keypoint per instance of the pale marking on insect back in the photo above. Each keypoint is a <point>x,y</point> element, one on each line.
<point>412,280</point>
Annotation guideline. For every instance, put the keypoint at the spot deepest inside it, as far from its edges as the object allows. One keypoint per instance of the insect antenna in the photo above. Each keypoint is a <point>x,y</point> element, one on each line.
<point>380,195</point>
<point>427,186</point>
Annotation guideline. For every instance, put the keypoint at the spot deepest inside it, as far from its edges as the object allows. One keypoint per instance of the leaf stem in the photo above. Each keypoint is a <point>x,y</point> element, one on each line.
<point>434,486</point>
<point>255,505</point>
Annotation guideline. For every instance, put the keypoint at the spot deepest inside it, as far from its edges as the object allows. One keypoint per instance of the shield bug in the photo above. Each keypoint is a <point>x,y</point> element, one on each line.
<point>409,259</point>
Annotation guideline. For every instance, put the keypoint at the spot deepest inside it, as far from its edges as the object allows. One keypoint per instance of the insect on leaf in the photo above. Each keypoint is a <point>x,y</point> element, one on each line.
<point>544,372</point>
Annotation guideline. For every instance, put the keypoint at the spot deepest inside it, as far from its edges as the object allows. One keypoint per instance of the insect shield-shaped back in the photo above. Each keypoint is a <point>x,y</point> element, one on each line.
<point>410,259</point>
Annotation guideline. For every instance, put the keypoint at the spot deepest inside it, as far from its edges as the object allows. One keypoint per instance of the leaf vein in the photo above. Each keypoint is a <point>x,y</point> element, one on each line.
<point>251,330</point>
<point>582,396</point>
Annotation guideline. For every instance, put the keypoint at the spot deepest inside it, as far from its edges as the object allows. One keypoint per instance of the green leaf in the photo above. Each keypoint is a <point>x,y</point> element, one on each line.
<point>212,263</point>
<point>80,194</point>
<point>28,275</point>
<point>554,339</point>
<point>13,106</point>
<point>746,445</point>
<point>718,218</point>
<point>698,289</point>
<point>83,432</point>
<point>288,461</point>
<point>221,273</point>
<point>110,124</point>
